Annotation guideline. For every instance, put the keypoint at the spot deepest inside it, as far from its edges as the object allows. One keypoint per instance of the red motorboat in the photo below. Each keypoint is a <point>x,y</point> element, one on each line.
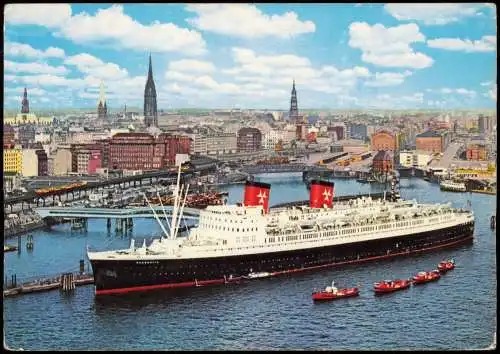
<point>388,286</point>
<point>332,293</point>
<point>425,277</point>
<point>445,266</point>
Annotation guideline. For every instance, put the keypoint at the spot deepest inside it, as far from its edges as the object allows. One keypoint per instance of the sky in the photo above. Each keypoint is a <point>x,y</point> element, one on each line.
<point>341,56</point>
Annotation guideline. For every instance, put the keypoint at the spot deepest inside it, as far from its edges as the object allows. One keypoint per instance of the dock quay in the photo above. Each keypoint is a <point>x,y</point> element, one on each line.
<point>483,191</point>
<point>40,285</point>
<point>9,248</point>
<point>22,229</point>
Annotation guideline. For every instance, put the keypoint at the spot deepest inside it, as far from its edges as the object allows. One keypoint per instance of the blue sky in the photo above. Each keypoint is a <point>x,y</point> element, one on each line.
<point>245,56</point>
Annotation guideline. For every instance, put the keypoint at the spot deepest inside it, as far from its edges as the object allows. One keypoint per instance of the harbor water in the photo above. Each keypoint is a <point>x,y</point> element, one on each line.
<point>456,312</point>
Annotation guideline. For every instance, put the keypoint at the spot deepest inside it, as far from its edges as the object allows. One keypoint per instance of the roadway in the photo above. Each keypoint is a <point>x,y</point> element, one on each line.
<point>448,157</point>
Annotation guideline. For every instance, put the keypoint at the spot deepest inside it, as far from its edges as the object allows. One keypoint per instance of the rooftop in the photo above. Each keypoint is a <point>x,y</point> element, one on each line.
<point>382,155</point>
<point>431,134</point>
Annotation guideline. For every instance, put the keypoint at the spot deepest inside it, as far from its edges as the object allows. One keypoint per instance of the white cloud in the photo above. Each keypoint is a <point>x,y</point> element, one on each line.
<point>391,102</point>
<point>119,86</point>
<point>191,65</point>
<point>432,14</point>
<point>208,82</point>
<point>48,80</point>
<point>437,103</point>
<point>492,93</point>
<point>486,83</point>
<point>25,50</point>
<point>178,76</point>
<point>416,97</point>
<point>88,64</point>
<point>247,21</point>
<point>459,91</point>
<point>346,100</point>
<point>389,47</point>
<point>111,26</point>
<point>280,70</point>
<point>465,92</point>
<point>48,15</point>
<point>35,91</point>
<point>261,80</point>
<point>485,44</point>
<point>34,68</point>
<point>388,79</point>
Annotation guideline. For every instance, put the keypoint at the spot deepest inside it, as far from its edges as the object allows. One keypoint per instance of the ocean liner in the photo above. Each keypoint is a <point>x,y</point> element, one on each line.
<point>233,242</point>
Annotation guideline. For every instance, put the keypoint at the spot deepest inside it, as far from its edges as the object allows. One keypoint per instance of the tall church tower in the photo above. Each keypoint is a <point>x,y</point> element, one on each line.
<point>102,108</point>
<point>25,104</point>
<point>300,132</point>
<point>150,109</point>
<point>294,109</point>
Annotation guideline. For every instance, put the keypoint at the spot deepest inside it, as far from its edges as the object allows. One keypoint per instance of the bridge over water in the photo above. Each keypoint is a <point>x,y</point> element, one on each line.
<point>282,168</point>
<point>108,213</point>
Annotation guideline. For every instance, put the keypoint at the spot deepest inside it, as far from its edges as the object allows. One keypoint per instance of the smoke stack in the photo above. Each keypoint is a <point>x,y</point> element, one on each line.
<point>321,194</point>
<point>257,193</point>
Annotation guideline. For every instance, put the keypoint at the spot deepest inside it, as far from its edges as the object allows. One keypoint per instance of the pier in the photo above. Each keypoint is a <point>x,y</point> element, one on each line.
<point>65,282</point>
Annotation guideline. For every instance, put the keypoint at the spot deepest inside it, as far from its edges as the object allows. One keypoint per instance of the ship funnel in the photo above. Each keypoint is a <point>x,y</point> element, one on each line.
<point>257,193</point>
<point>321,194</point>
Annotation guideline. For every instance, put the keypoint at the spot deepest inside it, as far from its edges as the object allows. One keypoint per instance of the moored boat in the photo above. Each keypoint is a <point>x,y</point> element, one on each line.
<point>448,185</point>
<point>445,266</point>
<point>257,275</point>
<point>425,277</point>
<point>388,286</point>
<point>332,293</point>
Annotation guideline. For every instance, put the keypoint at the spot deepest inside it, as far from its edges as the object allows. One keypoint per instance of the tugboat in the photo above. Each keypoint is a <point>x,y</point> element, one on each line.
<point>445,266</point>
<point>425,277</point>
<point>388,286</point>
<point>332,293</point>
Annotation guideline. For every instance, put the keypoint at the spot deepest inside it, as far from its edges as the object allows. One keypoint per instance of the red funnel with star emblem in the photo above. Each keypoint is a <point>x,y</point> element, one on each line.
<point>257,193</point>
<point>321,194</point>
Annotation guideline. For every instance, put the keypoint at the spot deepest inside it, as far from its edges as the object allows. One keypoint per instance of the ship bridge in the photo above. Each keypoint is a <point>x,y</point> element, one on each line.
<point>108,213</point>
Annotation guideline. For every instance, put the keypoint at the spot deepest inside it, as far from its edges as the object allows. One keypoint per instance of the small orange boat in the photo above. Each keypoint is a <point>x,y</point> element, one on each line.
<point>425,277</point>
<point>388,286</point>
<point>445,266</point>
<point>332,293</point>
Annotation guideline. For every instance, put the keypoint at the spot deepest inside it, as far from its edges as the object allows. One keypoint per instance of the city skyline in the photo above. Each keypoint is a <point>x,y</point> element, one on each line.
<point>356,56</point>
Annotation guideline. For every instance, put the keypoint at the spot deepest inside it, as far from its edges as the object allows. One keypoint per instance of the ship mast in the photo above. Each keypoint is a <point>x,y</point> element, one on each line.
<point>176,202</point>
<point>156,216</point>
<point>182,210</point>
<point>163,208</point>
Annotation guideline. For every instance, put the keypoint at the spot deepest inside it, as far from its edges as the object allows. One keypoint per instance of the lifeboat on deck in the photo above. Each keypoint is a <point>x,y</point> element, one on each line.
<point>388,286</point>
<point>332,293</point>
<point>445,266</point>
<point>425,277</point>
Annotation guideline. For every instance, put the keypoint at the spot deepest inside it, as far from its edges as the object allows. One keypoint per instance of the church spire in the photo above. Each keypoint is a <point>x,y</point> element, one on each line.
<point>25,103</point>
<point>150,71</point>
<point>294,109</point>
<point>102,99</point>
<point>102,107</point>
<point>150,108</point>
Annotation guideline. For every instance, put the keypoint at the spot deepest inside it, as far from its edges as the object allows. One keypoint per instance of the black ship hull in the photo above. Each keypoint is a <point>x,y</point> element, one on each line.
<point>138,275</point>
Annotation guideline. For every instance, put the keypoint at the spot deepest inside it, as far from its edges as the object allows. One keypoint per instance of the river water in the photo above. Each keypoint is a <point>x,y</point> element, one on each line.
<point>456,312</point>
